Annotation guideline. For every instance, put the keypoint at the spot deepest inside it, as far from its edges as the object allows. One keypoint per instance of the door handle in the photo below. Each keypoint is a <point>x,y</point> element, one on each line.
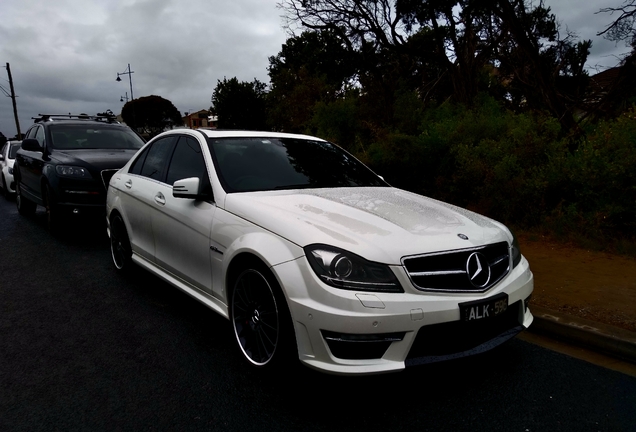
<point>128,184</point>
<point>160,199</point>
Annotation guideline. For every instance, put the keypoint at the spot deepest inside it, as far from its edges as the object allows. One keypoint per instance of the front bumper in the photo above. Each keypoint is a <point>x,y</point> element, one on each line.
<point>7,173</point>
<point>349,332</point>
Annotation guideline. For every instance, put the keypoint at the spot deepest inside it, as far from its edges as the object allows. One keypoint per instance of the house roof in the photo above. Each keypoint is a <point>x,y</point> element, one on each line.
<point>602,81</point>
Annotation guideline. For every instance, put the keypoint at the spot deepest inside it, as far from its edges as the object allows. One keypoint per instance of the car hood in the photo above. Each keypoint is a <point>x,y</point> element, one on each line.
<point>99,159</point>
<point>382,224</point>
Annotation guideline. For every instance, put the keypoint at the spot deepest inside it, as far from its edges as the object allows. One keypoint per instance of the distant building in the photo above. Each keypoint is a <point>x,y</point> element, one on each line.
<point>602,82</point>
<point>199,119</point>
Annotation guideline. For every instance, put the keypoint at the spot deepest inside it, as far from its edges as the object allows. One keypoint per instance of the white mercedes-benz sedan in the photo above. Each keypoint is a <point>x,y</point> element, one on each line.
<point>310,254</point>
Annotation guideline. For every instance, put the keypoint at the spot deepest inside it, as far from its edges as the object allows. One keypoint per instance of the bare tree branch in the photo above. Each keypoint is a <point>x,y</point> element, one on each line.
<point>623,27</point>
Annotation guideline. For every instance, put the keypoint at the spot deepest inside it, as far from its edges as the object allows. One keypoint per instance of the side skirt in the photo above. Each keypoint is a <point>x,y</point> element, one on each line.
<point>213,303</point>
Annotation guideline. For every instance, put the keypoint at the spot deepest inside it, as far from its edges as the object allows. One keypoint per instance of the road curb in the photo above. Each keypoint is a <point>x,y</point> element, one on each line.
<point>604,338</point>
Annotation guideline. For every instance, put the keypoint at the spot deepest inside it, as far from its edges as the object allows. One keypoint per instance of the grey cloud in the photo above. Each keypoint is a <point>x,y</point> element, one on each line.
<point>65,55</point>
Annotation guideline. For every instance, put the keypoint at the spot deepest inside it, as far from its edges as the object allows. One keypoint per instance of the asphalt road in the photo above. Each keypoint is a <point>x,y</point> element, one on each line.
<point>83,348</point>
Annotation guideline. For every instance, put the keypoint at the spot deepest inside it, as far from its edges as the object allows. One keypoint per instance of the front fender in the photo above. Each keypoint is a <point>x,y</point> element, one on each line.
<point>254,242</point>
<point>268,247</point>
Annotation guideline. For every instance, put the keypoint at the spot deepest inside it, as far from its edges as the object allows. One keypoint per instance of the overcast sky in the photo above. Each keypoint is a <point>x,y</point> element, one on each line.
<point>65,54</point>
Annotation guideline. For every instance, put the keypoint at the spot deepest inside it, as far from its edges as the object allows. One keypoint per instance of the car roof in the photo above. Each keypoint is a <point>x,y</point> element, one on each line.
<point>221,133</point>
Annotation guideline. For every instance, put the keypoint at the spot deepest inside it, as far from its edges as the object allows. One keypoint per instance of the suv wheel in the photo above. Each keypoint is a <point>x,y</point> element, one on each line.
<point>25,207</point>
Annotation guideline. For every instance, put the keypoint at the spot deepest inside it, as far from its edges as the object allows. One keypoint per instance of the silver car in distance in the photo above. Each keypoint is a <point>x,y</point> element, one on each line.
<point>311,255</point>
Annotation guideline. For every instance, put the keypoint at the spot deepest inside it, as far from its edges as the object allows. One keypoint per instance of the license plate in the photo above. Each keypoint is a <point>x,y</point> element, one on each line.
<point>484,309</point>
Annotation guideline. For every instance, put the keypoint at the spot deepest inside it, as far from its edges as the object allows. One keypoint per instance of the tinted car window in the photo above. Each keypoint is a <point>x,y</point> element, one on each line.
<point>257,164</point>
<point>31,133</point>
<point>138,163</point>
<point>157,158</point>
<point>94,136</point>
<point>14,150</point>
<point>39,135</point>
<point>187,161</point>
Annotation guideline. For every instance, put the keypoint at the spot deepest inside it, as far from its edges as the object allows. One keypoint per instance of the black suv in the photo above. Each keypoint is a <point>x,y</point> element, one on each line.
<point>66,161</point>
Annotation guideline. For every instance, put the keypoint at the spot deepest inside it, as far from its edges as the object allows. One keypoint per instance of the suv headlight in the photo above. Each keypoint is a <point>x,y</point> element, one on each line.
<point>341,269</point>
<point>72,171</point>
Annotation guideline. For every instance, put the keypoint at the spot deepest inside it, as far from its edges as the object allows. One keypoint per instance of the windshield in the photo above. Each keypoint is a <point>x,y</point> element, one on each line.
<point>261,164</point>
<point>94,136</point>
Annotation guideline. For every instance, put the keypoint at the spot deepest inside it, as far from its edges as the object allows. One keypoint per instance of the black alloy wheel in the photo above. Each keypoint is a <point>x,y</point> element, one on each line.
<point>257,317</point>
<point>120,249</point>
<point>25,207</point>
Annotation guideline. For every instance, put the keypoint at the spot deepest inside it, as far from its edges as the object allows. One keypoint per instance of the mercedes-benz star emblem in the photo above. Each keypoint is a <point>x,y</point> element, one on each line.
<point>478,270</point>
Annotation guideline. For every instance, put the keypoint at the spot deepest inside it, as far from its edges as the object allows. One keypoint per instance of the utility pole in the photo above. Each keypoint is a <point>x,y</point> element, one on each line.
<point>15,108</point>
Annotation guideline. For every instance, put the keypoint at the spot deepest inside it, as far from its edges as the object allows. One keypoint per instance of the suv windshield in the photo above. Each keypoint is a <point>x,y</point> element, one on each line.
<point>261,164</point>
<point>94,136</point>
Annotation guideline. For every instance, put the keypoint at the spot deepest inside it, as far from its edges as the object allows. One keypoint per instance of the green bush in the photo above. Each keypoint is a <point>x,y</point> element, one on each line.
<point>602,176</point>
<point>336,121</point>
<point>516,168</point>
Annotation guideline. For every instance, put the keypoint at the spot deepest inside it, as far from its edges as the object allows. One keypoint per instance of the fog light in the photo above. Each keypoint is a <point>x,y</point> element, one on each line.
<point>360,346</point>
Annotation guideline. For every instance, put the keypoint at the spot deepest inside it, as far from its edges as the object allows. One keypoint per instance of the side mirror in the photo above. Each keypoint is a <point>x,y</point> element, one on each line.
<point>1,157</point>
<point>31,145</point>
<point>186,188</point>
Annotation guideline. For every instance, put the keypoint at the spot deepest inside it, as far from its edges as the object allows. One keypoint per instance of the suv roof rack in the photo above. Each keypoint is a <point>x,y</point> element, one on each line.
<point>103,117</point>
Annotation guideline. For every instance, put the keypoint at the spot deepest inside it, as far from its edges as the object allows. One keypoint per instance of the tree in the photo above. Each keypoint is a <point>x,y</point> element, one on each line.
<point>240,105</point>
<point>624,27</point>
<point>452,45</point>
<point>313,67</point>
<point>151,115</point>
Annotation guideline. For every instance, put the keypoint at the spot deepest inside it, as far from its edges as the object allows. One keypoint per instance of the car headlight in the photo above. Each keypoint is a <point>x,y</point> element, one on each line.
<point>72,171</point>
<point>515,251</point>
<point>341,269</point>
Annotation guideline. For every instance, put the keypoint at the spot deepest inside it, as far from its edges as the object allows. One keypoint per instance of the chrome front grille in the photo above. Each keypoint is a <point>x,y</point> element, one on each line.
<point>465,270</point>
<point>107,175</point>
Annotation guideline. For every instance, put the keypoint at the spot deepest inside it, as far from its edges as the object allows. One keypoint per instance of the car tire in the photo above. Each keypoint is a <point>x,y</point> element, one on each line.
<point>53,216</point>
<point>261,321</point>
<point>120,249</point>
<point>25,206</point>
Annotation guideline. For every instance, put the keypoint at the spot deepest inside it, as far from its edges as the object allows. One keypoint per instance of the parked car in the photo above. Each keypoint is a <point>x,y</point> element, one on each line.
<point>7,159</point>
<point>309,253</point>
<point>65,163</point>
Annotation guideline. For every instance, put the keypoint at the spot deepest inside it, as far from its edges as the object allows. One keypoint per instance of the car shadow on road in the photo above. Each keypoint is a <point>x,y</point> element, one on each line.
<point>76,230</point>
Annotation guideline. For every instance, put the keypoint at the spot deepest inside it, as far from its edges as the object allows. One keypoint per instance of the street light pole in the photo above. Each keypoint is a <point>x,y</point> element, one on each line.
<point>129,73</point>
<point>122,98</point>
